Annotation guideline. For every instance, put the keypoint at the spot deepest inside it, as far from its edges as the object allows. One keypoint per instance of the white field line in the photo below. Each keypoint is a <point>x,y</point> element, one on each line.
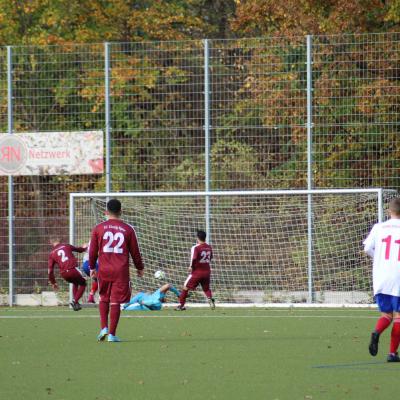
<point>187,316</point>
<point>169,307</point>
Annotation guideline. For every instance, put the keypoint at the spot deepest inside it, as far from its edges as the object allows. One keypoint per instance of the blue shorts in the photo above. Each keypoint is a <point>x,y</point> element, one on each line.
<point>387,303</point>
<point>86,269</point>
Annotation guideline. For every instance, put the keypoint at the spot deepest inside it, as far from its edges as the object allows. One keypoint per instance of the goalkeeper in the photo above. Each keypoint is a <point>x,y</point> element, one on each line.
<point>150,301</point>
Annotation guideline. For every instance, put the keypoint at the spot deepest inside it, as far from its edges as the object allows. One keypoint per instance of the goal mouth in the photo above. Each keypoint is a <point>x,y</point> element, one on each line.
<point>284,247</point>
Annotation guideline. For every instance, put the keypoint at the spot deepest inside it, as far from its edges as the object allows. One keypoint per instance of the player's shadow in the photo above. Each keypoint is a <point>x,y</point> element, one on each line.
<point>362,365</point>
<point>196,339</point>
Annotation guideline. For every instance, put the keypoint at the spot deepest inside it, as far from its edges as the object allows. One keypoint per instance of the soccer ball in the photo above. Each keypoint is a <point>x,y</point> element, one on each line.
<point>159,274</point>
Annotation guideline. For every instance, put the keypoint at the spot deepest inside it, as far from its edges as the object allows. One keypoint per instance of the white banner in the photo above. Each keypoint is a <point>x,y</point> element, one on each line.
<point>51,153</point>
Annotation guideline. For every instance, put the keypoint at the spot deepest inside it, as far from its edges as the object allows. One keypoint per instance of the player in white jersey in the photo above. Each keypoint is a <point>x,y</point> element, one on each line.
<point>383,245</point>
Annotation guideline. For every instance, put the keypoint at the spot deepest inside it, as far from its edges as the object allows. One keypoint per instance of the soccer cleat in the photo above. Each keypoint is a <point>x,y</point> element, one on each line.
<point>211,302</point>
<point>373,344</point>
<point>393,357</point>
<point>75,305</point>
<point>91,299</point>
<point>112,338</point>
<point>102,335</point>
<point>180,308</point>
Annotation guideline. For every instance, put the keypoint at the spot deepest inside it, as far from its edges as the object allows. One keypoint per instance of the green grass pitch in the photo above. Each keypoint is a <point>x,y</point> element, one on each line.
<point>233,354</point>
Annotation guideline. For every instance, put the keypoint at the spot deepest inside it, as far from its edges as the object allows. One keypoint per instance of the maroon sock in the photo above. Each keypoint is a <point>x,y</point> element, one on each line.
<point>182,297</point>
<point>103,309</point>
<point>208,293</point>
<point>79,292</point>
<point>395,336</point>
<point>74,290</point>
<point>115,312</point>
<point>382,323</point>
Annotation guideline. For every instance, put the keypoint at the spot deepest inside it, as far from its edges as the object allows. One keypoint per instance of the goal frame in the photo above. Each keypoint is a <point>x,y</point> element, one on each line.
<point>207,194</point>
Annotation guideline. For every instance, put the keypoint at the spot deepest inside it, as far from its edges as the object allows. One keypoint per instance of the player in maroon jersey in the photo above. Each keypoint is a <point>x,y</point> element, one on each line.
<point>199,271</point>
<point>62,254</point>
<point>111,243</point>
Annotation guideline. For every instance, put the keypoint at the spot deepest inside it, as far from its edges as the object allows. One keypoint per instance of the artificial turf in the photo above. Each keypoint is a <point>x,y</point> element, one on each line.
<point>232,354</point>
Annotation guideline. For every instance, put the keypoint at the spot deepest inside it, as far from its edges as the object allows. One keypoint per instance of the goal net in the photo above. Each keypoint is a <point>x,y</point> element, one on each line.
<point>270,247</point>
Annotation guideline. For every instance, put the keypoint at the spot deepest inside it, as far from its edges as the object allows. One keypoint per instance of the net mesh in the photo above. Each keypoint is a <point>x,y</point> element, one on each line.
<point>259,243</point>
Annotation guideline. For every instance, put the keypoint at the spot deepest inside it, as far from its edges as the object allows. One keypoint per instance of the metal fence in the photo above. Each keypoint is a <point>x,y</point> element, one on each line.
<point>267,113</point>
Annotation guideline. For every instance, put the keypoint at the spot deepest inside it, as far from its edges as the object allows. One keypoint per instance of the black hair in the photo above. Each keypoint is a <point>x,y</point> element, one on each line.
<point>201,235</point>
<point>114,206</point>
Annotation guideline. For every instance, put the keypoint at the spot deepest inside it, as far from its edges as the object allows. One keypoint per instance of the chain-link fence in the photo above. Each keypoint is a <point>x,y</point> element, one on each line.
<point>230,111</point>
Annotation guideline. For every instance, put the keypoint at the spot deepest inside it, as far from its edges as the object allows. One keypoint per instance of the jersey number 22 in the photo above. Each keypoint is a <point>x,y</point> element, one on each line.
<point>113,237</point>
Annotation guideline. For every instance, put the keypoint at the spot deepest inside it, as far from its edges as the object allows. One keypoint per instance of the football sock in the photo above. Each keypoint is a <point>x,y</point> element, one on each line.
<point>208,293</point>
<point>79,292</point>
<point>103,309</point>
<point>94,288</point>
<point>395,336</point>
<point>115,312</point>
<point>382,323</point>
<point>182,297</point>
<point>173,289</point>
<point>74,290</point>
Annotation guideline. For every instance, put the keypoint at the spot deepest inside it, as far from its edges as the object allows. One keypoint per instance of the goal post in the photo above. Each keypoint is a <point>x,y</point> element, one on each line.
<point>265,250</point>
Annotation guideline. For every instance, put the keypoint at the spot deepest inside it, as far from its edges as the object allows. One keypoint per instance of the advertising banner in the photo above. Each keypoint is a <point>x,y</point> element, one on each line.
<point>51,153</point>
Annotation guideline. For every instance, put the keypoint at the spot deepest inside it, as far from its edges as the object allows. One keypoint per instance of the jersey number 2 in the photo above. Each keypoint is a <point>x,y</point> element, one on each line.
<point>388,241</point>
<point>111,237</point>
<point>61,253</point>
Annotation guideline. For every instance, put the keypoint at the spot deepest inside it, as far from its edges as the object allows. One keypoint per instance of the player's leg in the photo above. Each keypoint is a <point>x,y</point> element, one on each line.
<point>136,307</point>
<point>385,306</point>
<point>190,284</point>
<point>134,300</point>
<point>395,334</point>
<point>120,293</point>
<point>93,290</point>
<point>104,307</point>
<point>75,277</point>
<point>80,281</point>
<point>205,285</point>
<point>137,298</point>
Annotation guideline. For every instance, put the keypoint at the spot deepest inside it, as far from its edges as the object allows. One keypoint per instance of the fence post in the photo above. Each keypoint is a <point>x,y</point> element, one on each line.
<point>381,213</point>
<point>207,135</point>
<point>10,130</point>
<point>107,114</point>
<point>311,294</point>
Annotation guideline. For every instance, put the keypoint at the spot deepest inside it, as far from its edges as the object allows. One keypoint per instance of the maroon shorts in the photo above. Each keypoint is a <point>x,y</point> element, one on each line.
<point>198,277</point>
<point>74,276</point>
<point>114,292</point>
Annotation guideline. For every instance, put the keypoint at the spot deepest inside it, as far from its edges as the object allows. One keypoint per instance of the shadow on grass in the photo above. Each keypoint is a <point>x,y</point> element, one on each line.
<point>362,365</point>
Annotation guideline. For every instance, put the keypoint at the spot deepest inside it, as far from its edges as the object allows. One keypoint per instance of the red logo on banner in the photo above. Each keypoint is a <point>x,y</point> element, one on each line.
<point>13,154</point>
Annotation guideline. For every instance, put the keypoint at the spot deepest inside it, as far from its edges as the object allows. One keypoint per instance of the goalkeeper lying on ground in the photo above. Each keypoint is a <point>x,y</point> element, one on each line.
<point>149,301</point>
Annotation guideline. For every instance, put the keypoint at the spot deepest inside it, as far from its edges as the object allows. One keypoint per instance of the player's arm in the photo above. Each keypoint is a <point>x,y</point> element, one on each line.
<point>193,258</point>
<point>369,242</point>
<point>81,249</point>
<point>93,253</point>
<point>50,272</point>
<point>135,253</point>
<point>172,288</point>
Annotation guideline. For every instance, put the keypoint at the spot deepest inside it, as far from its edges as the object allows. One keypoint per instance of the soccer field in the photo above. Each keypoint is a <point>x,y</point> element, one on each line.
<point>199,354</point>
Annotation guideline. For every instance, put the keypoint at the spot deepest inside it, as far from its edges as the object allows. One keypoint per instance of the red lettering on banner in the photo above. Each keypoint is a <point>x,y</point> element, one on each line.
<point>48,154</point>
<point>10,154</point>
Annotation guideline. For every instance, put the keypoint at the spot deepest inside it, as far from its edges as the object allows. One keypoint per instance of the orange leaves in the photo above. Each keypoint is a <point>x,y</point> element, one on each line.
<point>300,17</point>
